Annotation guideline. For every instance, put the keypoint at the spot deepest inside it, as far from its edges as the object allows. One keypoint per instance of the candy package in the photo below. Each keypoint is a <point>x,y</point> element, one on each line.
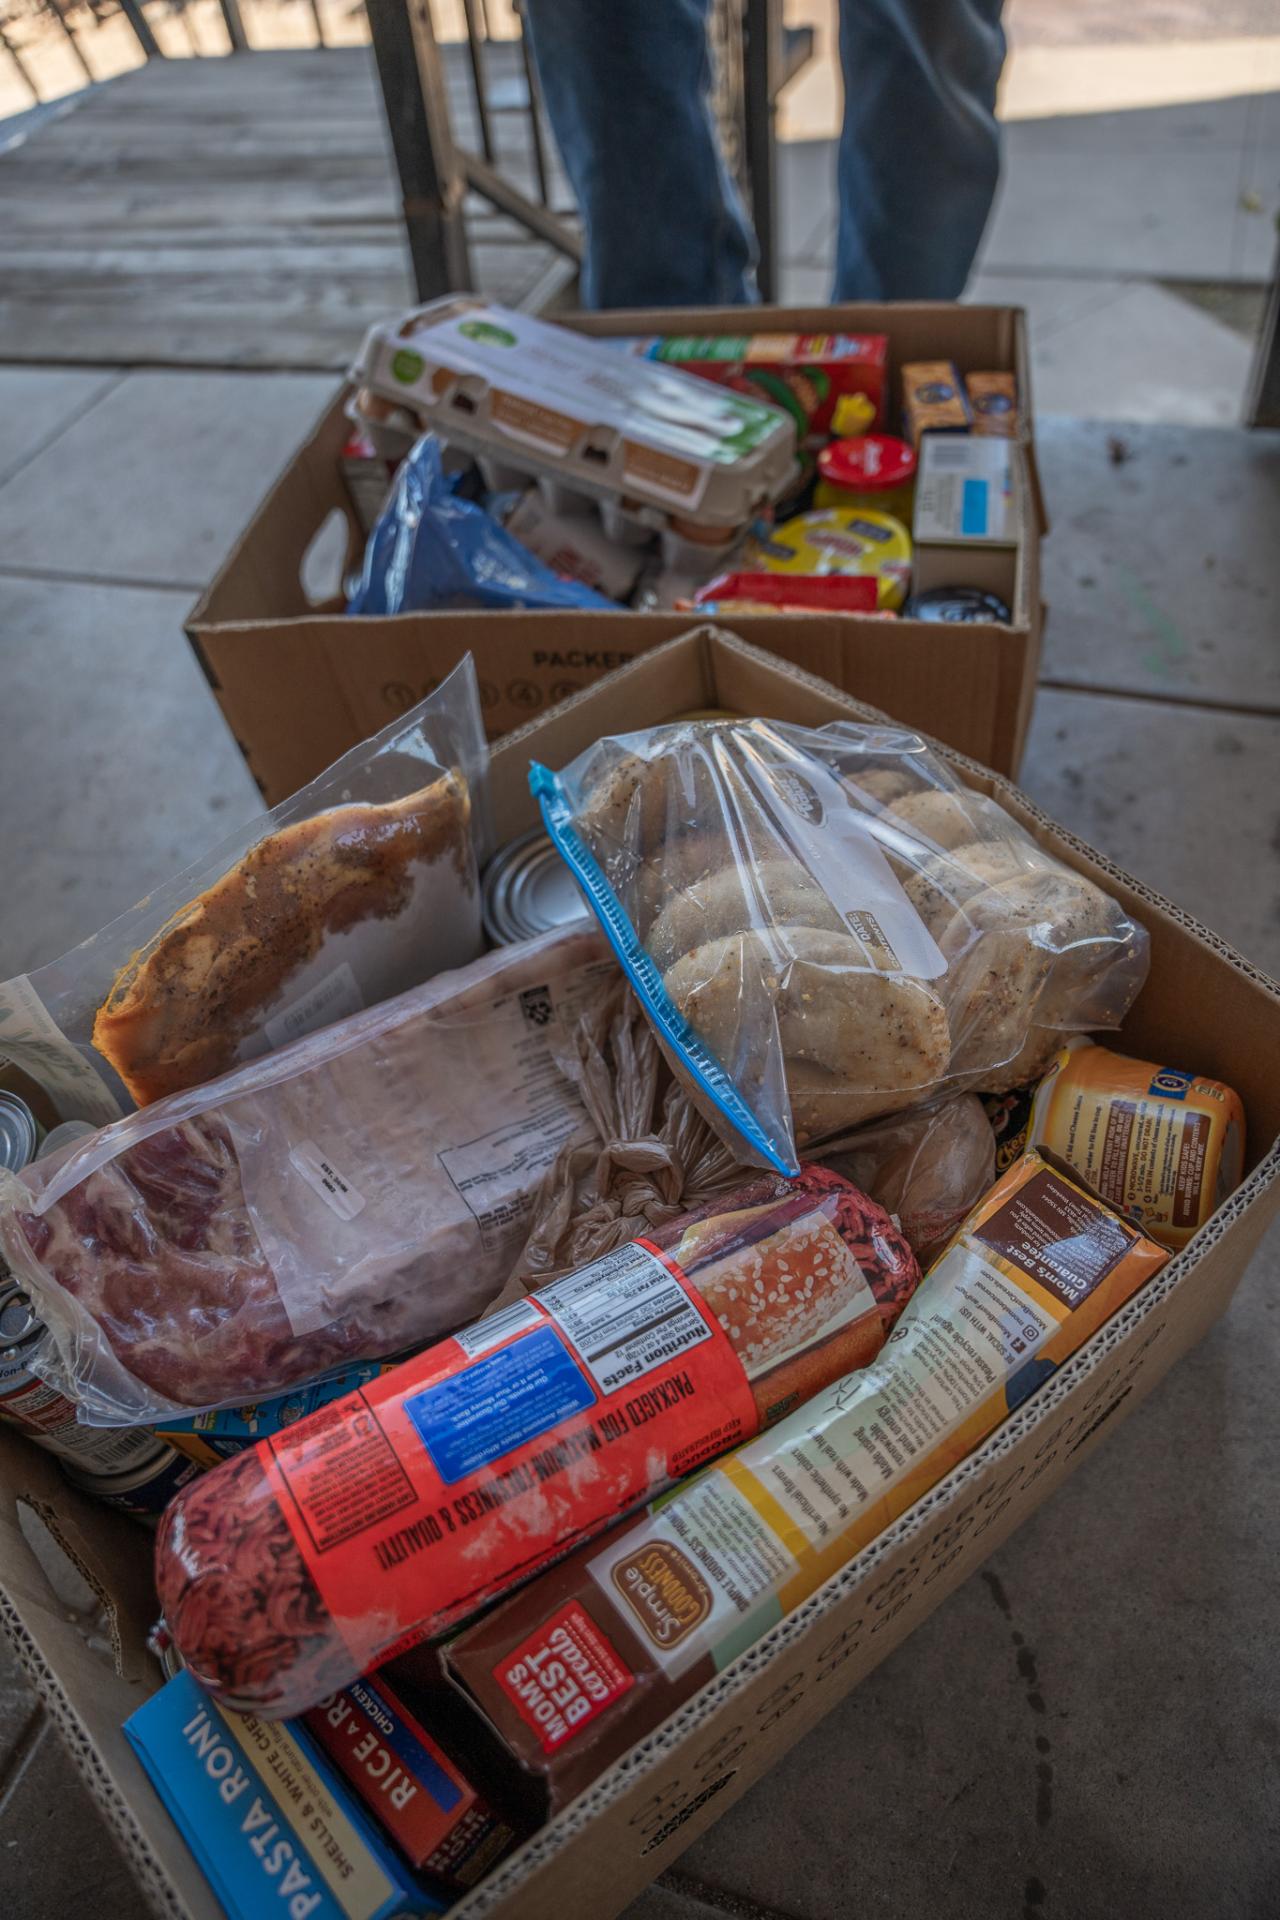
<point>825,926</point>
<point>361,885</point>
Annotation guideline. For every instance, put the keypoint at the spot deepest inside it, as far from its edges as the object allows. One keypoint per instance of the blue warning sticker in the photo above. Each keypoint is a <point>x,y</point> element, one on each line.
<point>498,1403</point>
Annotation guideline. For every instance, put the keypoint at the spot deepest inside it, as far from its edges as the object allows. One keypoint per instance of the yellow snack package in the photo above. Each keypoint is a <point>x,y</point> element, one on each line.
<point>1162,1146</point>
<point>840,540</point>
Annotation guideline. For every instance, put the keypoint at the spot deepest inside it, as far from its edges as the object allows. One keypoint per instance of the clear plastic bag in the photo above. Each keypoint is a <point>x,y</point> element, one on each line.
<point>360,886</point>
<point>929,1167</point>
<point>355,1195</point>
<point>431,549</point>
<point>651,1155</point>
<point>825,926</point>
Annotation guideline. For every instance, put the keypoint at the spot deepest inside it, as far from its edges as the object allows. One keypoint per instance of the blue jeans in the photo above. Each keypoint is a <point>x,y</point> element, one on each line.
<point>626,84</point>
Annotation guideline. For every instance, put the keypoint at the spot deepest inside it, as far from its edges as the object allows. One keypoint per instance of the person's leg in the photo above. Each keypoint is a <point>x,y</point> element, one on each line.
<point>626,85</point>
<point>919,151</point>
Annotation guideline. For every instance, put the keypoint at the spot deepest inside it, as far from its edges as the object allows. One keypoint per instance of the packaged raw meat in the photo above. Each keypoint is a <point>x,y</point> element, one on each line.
<point>390,1516</point>
<point>360,886</point>
<point>352,1196</point>
<point>928,1167</point>
<point>825,927</point>
<point>598,1651</point>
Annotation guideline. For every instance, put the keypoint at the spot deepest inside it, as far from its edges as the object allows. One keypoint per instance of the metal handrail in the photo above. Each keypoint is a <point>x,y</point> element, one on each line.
<point>751,61</point>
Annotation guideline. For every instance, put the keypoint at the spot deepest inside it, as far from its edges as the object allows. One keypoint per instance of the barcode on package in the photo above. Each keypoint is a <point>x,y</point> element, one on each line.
<point>324,1178</point>
<point>626,1314</point>
<point>944,454</point>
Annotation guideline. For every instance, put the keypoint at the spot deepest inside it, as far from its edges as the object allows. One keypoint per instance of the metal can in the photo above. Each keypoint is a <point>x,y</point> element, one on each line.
<point>40,1411</point>
<point>143,1489</point>
<point>160,1646</point>
<point>956,604</point>
<point>528,890</point>
<point>20,1132</point>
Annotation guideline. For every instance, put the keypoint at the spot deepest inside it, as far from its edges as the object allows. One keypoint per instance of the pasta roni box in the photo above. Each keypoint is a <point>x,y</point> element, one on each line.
<point>1202,1004</point>
<point>268,1819</point>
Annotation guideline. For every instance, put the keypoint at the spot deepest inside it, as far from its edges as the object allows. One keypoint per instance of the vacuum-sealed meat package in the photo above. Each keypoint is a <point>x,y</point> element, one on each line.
<point>824,926</point>
<point>352,1196</point>
<point>389,1516</point>
<point>359,887</point>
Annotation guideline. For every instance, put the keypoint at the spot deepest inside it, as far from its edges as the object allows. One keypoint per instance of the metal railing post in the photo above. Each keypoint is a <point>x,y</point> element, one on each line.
<point>761,78</point>
<point>233,21</point>
<point>433,184</point>
<point>132,11</point>
<point>19,67</point>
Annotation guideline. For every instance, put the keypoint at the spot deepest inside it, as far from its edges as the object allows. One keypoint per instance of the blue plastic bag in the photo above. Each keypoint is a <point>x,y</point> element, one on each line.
<point>430,549</point>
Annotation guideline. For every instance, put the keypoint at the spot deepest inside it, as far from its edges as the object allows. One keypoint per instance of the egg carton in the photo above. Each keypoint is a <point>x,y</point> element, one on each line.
<point>656,449</point>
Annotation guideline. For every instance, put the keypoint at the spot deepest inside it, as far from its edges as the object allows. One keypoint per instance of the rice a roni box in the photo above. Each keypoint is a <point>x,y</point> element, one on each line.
<point>1202,1004</point>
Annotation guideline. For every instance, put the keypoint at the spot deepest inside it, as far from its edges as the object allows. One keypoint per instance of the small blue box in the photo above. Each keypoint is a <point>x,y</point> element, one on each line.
<point>272,1824</point>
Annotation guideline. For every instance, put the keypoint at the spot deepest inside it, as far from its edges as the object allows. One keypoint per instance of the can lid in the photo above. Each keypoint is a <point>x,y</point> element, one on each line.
<point>158,1458</point>
<point>874,463</point>
<point>528,890</point>
<point>18,1320</point>
<point>19,1134</point>
<point>958,604</point>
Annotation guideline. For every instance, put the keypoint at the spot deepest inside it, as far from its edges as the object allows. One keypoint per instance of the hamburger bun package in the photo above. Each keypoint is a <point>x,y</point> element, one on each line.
<point>598,1651</point>
<point>825,927</point>
<point>361,885</point>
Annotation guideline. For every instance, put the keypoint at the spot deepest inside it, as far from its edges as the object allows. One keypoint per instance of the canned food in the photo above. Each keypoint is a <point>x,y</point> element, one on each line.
<point>160,1646</point>
<point>13,1079</point>
<point>20,1132</point>
<point>143,1489</point>
<point>960,604</point>
<point>840,540</point>
<point>876,471</point>
<point>528,890</point>
<point>40,1411</point>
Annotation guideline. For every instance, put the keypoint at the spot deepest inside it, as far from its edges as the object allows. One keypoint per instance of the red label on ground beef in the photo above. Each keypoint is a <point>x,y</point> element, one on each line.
<point>416,1498</point>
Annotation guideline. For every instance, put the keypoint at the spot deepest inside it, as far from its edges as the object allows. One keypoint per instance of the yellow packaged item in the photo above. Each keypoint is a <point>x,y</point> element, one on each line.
<point>852,414</point>
<point>1162,1146</point>
<point>840,540</point>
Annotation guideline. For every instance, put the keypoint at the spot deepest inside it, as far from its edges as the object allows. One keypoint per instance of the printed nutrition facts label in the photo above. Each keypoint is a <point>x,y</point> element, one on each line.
<point>626,1313</point>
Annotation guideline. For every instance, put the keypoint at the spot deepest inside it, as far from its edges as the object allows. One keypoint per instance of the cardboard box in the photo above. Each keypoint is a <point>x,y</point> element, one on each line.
<point>1203,1005</point>
<point>299,684</point>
